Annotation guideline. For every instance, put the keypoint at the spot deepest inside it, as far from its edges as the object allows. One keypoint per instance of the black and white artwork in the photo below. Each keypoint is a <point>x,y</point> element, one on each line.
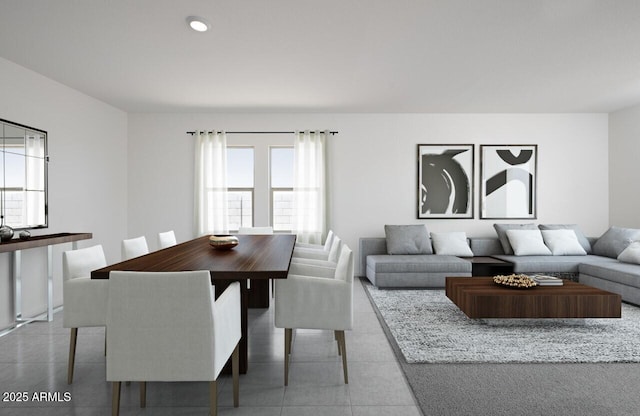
<point>508,181</point>
<point>445,180</point>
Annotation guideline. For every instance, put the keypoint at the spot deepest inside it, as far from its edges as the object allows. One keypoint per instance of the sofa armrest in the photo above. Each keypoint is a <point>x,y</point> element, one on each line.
<point>370,246</point>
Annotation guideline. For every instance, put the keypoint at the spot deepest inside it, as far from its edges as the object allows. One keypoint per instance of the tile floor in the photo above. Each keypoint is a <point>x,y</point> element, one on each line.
<point>33,359</point>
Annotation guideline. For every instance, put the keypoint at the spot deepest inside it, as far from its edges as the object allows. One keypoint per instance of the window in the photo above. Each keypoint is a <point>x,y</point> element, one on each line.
<point>281,183</point>
<point>240,173</point>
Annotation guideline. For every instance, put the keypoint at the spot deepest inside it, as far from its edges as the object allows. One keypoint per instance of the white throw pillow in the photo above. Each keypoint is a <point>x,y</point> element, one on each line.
<point>527,243</point>
<point>563,243</point>
<point>451,244</point>
<point>631,254</point>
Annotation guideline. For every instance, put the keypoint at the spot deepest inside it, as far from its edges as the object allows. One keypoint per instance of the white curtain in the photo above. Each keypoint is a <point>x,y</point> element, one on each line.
<point>309,186</point>
<point>211,183</point>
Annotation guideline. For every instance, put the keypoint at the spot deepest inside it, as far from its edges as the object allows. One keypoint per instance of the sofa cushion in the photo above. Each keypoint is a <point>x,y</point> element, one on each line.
<point>582,239</point>
<point>614,241</point>
<point>631,254</point>
<point>527,243</point>
<point>485,246</point>
<point>551,264</point>
<point>417,264</point>
<point>407,239</point>
<point>451,244</point>
<point>501,230</point>
<point>623,273</point>
<point>563,243</point>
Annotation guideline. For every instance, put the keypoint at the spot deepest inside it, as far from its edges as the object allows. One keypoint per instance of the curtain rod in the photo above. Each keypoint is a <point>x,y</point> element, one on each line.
<point>259,132</point>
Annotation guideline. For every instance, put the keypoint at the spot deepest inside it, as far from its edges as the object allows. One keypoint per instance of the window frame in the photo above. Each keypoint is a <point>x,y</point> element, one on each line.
<point>276,189</point>
<point>244,189</point>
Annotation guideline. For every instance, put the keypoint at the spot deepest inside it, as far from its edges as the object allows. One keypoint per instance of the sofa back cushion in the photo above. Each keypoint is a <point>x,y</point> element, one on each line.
<point>407,239</point>
<point>582,239</point>
<point>563,243</point>
<point>451,244</point>
<point>631,254</point>
<point>527,243</point>
<point>501,230</point>
<point>614,241</point>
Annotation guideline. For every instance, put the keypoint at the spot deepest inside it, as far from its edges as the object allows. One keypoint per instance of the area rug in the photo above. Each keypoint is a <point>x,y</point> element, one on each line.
<point>428,328</point>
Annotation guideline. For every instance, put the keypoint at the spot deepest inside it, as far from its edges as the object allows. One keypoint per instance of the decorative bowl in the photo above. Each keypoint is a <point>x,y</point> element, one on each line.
<point>515,281</point>
<point>223,241</point>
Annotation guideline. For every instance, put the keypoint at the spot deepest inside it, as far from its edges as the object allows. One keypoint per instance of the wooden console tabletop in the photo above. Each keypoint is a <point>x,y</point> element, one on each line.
<point>480,297</point>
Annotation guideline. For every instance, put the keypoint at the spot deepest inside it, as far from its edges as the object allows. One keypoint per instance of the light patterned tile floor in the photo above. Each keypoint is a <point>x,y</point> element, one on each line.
<point>33,359</point>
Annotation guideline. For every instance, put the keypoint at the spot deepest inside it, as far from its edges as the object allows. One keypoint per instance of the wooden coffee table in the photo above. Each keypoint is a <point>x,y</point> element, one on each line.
<point>480,297</point>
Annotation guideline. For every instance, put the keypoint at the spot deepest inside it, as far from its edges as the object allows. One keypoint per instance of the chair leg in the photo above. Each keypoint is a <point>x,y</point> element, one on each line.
<point>287,352</point>
<point>343,348</point>
<point>335,336</point>
<point>72,354</point>
<point>213,398</point>
<point>235,371</point>
<point>115,399</point>
<point>143,394</point>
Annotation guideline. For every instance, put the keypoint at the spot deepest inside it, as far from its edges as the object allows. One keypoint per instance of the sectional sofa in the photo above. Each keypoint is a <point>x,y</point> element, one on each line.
<point>610,262</point>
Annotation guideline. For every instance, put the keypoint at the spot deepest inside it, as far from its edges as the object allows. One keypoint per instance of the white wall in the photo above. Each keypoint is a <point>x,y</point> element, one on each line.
<point>373,166</point>
<point>624,159</point>
<point>87,176</point>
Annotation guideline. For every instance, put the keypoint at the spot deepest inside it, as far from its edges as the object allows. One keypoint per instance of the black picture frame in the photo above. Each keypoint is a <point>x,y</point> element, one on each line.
<point>508,181</point>
<point>445,181</point>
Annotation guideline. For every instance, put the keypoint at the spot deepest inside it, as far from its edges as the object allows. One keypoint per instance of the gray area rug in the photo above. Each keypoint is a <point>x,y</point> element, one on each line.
<point>428,328</point>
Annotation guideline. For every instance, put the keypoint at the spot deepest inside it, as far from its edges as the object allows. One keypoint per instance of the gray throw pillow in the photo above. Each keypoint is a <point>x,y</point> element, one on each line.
<point>582,239</point>
<point>501,230</point>
<point>407,239</point>
<point>614,241</point>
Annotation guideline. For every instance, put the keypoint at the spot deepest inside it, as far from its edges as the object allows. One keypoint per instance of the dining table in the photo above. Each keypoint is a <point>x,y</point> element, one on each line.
<point>256,257</point>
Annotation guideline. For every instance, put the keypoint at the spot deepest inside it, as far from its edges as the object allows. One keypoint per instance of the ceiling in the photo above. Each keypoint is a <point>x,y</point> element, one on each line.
<point>338,56</point>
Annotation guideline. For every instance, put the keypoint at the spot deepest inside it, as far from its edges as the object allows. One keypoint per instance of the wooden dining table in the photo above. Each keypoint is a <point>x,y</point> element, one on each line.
<point>255,257</point>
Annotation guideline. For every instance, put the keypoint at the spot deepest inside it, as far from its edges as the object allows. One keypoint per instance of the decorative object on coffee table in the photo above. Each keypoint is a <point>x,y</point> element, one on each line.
<point>445,180</point>
<point>223,241</point>
<point>508,180</point>
<point>518,281</point>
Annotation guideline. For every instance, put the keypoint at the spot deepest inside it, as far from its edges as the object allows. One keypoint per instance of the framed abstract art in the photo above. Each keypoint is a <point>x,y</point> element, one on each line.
<point>508,181</point>
<point>445,180</point>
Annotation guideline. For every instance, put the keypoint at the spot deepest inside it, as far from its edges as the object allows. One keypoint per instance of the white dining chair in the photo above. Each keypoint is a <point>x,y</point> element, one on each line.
<point>85,300</point>
<point>258,231</point>
<point>134,247</point>
<point>167,327</point>
<point>325,246</point>
<point>322,299</point>
<point>330,255</point>
<point>166,239</point>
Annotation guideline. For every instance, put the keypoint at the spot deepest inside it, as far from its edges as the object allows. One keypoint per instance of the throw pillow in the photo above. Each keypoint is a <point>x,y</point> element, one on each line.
<point>614,241</point>
<point>527,243</point>
<point>451,244</point>
<point>582,239</point>
<point>631,254</point>
<point>407,239</point>
<point>501,230</point>
<point>563,243</point>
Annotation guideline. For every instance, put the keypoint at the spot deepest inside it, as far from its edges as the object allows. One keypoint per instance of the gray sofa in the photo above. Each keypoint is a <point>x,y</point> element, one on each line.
<point>429,270</point>
<point>416,270</point>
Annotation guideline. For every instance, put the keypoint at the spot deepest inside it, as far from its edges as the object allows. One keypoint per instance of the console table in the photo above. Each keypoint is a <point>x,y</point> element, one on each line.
<point>16,246</point>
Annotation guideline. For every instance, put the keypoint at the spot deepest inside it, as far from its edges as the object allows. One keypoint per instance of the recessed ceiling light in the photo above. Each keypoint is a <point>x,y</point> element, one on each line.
<point>198,24</point>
